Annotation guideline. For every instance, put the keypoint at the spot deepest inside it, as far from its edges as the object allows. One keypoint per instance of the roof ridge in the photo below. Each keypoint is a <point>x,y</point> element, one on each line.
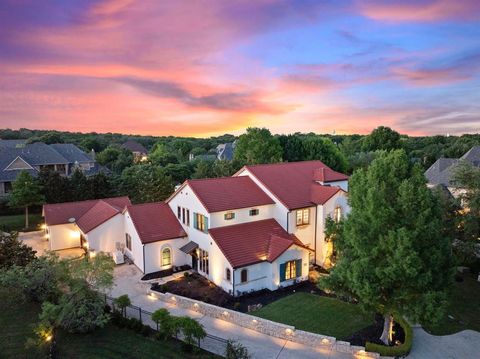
<point>284,163</point>
<point>212,178</point>
<point>145,204</point>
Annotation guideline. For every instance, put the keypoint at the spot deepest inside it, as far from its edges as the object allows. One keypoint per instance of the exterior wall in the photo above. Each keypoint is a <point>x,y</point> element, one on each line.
<point>63,236</point>
<point>242,215</point>
<point>306,233</point>
<point>153,254</point>
<point>104,237</point>
<point>339,200</point>
<point>342,184</point>
<point>136,253</point>
<point>279,211</point>
<point>292,253</point>
<point>19,164</point>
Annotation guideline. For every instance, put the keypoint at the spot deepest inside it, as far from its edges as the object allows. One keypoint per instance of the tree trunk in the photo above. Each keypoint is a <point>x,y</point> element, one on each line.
<point>387,333</point>
<point>26,217</point>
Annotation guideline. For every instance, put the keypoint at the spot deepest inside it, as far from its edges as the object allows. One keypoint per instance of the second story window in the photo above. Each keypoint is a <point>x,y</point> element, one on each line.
<point>188,217</point>
<point>303,216</point>
<point>228,274</point>
<point>183,215</point>
<point>179,212</point>
<point>229,215</point>
<point>200,222</point>
<point>254,212</point>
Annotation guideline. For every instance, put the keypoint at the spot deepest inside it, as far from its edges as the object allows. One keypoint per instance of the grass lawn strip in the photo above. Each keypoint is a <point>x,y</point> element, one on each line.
<point>17,222</point>
<point>317,314</point>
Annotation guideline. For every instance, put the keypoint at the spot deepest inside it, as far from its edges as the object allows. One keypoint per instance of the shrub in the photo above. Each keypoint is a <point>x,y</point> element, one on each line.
<point>236,306</point>
<point>236,350</point>
<point>192,330</point>
<point>135,325</point>
<point>396,351</point>
<point>146,331</point>
<point>122,303</point>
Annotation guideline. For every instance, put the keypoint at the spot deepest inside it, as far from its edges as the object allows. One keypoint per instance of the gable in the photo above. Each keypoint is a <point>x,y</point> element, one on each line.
<point>18,164</point>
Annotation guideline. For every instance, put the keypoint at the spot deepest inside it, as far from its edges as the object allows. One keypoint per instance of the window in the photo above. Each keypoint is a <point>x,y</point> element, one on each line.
<point>200,222</point>
<point>203,261</point>
<point>183,215</point>
<point>179,212</point>
<point>254,212</point>
<point>290,270</point>
<point>244,276</point>
<point>188,217</point>
<point>303,216</point>
<point>228,216</point>
<point>228,274</point>
<point>337,214</point>
<point>166,257</point>
<point>128,241</point>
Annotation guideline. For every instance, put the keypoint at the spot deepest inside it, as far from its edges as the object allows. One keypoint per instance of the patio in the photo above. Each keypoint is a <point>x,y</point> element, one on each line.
<point>38,242</point>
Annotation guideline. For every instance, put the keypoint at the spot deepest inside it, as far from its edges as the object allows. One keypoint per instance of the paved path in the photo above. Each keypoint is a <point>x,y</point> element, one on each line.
<point>463,345</point>
<point>127,281</point>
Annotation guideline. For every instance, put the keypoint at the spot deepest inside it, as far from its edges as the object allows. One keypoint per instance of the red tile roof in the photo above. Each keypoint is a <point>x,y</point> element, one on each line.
<point>321,194</point>
<point>228,193</point>
<point>155,222</point>
<point>291,182</point>
<point>87,214</point>
<point>253,242</point>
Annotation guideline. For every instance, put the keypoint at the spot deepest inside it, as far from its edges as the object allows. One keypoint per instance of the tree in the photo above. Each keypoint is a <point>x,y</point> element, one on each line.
<point>203,169</point>
<point>13,252</point>
<point>115,158</point>
<point>323,149</point>
<point>382,138</point>
<point>55,188</point>
<point>292,146</point>
<point>160,316</point>
<point>192,330</point>
<point>97,271</point>
<point>122,303</point>
<point>392,254</point>
<point>26,192</point>
<point>236,350</point>
<point>256,146</point>
<point>146,183</point>
<point>79,186</point>
<point>100,186</point>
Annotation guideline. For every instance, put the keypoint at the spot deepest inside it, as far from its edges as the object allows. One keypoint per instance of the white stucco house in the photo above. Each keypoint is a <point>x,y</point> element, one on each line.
<point>259,229</point>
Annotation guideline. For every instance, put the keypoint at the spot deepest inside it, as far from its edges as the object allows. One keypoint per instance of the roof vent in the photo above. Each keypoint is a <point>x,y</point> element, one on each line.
<point>71,220</point>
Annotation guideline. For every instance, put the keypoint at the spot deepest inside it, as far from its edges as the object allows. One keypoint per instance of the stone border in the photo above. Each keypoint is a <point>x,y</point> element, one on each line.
<point>264,326</point>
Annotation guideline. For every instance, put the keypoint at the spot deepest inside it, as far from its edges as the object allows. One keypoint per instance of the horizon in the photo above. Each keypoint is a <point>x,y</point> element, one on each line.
<point>194,70</point>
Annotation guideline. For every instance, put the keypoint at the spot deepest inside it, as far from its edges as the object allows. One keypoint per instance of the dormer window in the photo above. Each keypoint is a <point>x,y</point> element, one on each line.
<point>303,216</point>
<point>229,215</point>
<point>254,212</point>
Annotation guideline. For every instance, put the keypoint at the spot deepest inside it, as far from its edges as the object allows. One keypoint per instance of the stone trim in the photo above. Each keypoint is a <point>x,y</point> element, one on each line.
<point>264,326</point>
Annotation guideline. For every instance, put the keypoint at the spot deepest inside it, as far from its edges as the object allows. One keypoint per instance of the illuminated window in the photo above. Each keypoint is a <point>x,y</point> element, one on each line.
<point>290,270</point>
<point>200,222</point>
<point>254,212</point>
<point>337,214</point>
<point>244,276</point>
<point>166,257</point>
<point>203,261</point>
<point>303,216</point>
<point>128,241</point>
<point>229,215</point>
<point>228,274</point>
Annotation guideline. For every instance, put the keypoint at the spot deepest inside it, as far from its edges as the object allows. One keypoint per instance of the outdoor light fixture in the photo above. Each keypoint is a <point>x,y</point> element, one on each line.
<point>173,299</point>
<point>152,295</point>
<point>325,341</point>
<point>254,321</point>
<point>288,331</point>
<point>225,313</point>
<point>48,338</point>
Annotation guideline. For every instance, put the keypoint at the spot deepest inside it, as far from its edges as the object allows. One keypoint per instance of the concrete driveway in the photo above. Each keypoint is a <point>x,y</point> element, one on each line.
<point>127,281</point>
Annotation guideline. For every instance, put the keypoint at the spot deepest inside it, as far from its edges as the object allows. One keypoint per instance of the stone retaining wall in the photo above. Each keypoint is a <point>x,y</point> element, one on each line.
<point>264,326</point>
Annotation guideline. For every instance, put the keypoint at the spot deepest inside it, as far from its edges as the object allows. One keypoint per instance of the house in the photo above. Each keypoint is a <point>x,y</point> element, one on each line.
<point>442,171</point>
<point>259,229</point>
<point>225,151</point>
<point>94,224</point>
<point>17,156</point>
<point>139,152</point>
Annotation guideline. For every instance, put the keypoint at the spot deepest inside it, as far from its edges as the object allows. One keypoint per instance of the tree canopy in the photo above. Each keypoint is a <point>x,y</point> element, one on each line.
<point>382,138</point>
<point>26,192</point>
<point>256,146</point>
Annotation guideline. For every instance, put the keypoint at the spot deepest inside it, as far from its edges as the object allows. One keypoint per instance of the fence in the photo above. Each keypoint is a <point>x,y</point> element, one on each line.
<point>211,343</point>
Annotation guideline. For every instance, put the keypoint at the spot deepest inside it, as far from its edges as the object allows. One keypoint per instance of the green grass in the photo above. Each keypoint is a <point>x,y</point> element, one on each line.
<point>317,314</point>
<point>17,320</point>
<point>17,222</point>
<point>464,307</point>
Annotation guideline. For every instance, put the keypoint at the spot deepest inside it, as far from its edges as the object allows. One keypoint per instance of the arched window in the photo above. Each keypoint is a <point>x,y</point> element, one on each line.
<point>228,274</point>
<point>166,257</point>
<point>244,276</point>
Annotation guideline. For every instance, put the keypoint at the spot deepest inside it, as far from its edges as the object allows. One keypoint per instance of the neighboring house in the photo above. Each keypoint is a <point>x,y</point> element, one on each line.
<point>442,171</point>
<point>17,156</point>
<point>225,151</point>
<point>96,224</point>
<point>260,229</point>
<point>139,152</point>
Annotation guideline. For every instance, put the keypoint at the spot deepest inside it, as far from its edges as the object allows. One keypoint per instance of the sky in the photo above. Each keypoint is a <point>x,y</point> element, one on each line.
<point>202,68</point>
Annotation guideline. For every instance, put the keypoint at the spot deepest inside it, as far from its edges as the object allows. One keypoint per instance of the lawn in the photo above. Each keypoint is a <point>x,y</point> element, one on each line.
<point>464,307</point>
<point>17,222</point>
<point>17,320</point>
<point>317,314</point>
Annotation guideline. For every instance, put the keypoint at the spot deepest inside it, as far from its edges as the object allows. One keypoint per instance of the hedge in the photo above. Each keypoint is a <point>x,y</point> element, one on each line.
<point>396,351</point>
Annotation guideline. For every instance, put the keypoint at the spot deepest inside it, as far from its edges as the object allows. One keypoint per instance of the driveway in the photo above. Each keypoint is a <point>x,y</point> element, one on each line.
<point>127,281</point>
<point>463,345</point>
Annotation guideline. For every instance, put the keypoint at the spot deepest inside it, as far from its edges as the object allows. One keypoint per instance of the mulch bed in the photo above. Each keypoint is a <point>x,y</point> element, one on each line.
<point>165,273</point>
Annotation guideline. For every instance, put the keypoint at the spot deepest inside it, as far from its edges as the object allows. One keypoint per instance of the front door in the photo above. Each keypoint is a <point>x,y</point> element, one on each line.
<point>194,261</point>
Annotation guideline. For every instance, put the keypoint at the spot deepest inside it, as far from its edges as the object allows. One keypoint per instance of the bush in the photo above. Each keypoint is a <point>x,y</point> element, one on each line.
<point>236,306</point>
<point>396,351</point>
<point>146,331</point>
<point>236,350</point>
<point>135,325</point>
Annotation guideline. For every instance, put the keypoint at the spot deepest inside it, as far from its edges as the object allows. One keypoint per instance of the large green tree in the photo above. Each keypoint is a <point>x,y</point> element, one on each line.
<point>26,192</point>
<point>323,149</point>
<point>256,146</point>
<point>55,187</point>
<point>382,138</point>
<point>13,252</point>
<point>146,183</point>
<point>392,254</point>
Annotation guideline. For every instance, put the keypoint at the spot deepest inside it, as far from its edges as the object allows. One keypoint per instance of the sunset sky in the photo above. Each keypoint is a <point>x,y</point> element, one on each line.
<point>200,68</point>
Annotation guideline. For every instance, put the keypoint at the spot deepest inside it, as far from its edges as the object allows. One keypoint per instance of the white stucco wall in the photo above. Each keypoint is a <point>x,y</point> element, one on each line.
<point>306,233</point>
<point>338,200</point>
<point>104,237</point>
<point>136,253</point>
<point>242,215</point>
<point>63,236</point>
<point>153,254</point>
<point>342,184</point>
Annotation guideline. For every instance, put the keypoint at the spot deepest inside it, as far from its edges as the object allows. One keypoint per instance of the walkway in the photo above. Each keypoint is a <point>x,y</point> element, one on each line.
<point>127,281</point>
